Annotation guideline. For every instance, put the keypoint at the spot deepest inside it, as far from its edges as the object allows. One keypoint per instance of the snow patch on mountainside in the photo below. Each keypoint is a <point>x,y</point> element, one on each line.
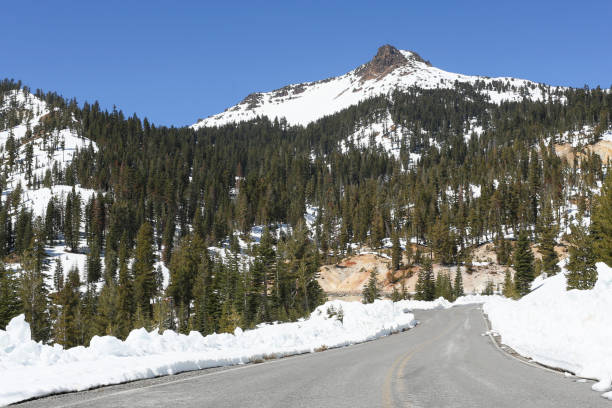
<point>383,134</point>
<point>55,149</point>
<point>303,103</point>
<point>52,152</point>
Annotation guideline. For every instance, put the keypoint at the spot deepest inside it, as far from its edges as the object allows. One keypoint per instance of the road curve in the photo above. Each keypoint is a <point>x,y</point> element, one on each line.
<point>444,362</point>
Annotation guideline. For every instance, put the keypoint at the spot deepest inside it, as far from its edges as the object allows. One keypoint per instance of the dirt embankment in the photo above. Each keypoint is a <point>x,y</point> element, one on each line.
<point>346,279</point>
<point>603,148</point>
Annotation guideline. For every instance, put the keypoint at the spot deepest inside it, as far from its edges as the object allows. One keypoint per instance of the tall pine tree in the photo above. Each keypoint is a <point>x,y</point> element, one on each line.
<point>602,222</point>
<point>523,264</point>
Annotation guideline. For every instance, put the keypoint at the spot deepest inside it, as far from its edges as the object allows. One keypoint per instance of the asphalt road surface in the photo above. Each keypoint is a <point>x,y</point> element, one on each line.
<point>444,362</point>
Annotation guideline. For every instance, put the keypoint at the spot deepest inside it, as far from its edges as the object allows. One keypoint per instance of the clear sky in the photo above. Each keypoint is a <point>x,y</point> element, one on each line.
<point>177,61</point>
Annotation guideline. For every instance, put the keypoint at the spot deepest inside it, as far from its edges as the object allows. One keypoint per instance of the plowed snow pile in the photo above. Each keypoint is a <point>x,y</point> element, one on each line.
<point>31,369</point>
<point>571,330</point>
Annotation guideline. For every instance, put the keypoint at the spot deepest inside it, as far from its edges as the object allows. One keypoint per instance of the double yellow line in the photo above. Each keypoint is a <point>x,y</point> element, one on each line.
<point>396,370</point>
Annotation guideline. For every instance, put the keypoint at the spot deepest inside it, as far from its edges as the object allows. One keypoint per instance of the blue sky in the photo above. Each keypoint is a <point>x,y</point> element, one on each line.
<point>176,61</point>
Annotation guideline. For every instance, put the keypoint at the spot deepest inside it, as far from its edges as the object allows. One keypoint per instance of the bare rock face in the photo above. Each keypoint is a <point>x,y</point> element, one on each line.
<point>386,60</point>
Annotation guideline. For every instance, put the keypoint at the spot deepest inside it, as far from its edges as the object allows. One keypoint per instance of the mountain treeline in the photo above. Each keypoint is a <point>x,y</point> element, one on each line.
<point>467,171</point>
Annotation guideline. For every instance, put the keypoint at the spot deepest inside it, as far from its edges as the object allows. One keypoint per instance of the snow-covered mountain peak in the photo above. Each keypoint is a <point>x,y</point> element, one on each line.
<point>389,70</point>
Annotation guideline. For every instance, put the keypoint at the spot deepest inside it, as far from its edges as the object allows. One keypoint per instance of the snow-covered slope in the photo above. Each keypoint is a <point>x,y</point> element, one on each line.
<point>389,70</point>
<point>50,149</point>
<point>21,114</point>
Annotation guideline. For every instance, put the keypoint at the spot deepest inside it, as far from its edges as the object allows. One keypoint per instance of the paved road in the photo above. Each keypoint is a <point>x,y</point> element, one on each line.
<point>444,362</point>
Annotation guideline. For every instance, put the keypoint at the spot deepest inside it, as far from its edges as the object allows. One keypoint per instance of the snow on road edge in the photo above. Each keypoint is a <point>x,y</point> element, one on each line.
<point>570,330</point>
<point>36,370</point>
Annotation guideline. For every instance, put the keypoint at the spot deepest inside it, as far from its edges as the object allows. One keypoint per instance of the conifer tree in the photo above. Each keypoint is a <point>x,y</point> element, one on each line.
<point>202,319</point>
<point>425,286</point>
<point>396,295</point>
<point>29,158</point>
<point>371,291</point>
<point>50,217</point>
<point>547,237</point>
<point>443,242</point>
<point>143,270</point>
<point>10,303</point>
<point>168,239</point>
<point>509,290</point>
<point>76,221</point>
<point>378,228</point>
<point>523,265</point>
<point>503,251</point>
<point>396,252</point>
<point>58,275</point>
<point>444,287</point>
<point>602,222</point>
<point>125,292</point>
<point>489,289</point>
<point>107,311</point>
<point>68,237</point>
<point>458,283</point>
<point>94,265</point>
<point>34,295</point>
<point>184,266</point>
<point>582,272</point>
<point>68,329</point>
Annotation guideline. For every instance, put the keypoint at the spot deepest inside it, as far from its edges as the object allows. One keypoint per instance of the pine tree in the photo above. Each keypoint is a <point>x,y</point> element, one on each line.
<point>523,265</point>
<point>50,216</point>
<point>10,303</point>
<point>489,289</point>
<point>396,295</point>
<point>602,222</point>
<point>107,311</point>
<point>547,237</point>
<point>184,267</point>
<point>378,229</point>
<point>509,290</point>
<point>396,252</point>
<point>443,242</point>
<point>502,251</point>
<point>125,293</point>
<point>76,221</point>
<point>582,272</point>
<point>34,296</point>
<point>425,286</point>
<point>68,329</point>
<point>264,272</point>
<point>68,238</point>
<point>143,270</point>
<point>371,291</point>
<point>29,158</point>
<point>458,284</point>
<point>58,275</point>
<point>444,287</point>
<point>94,265</point>
<point>203,298</point>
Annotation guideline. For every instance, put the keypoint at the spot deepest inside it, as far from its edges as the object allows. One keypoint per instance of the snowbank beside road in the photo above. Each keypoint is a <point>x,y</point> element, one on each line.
<point>571,330</point>
<point>441,303</point>
<point>32,369</point>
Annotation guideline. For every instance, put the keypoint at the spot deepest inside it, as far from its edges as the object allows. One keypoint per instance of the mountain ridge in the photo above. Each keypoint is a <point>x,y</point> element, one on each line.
<point>389,70</point>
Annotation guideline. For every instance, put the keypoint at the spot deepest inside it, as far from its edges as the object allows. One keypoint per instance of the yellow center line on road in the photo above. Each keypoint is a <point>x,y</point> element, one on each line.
<point>400,364</point>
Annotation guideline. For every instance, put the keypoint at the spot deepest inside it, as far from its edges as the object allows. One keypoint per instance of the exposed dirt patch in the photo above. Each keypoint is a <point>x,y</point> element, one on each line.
<point>603,149</point>
<point>346,279</point>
